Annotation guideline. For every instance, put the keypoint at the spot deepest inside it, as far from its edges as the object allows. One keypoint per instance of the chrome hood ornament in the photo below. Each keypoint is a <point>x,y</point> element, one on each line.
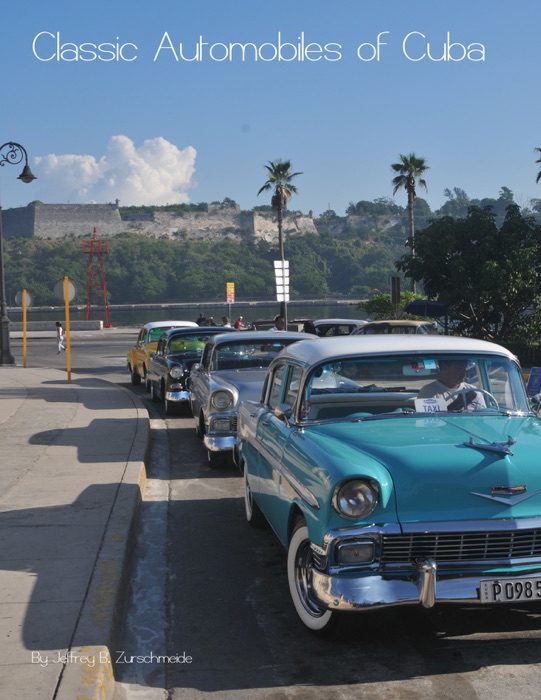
<point>503,448</point>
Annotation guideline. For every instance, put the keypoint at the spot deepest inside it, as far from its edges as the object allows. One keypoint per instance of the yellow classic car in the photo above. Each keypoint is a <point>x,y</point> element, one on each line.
<point>146,344</point>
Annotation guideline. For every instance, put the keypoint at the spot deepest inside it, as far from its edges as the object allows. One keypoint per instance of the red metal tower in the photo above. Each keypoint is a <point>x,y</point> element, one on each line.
<point>96,276</point>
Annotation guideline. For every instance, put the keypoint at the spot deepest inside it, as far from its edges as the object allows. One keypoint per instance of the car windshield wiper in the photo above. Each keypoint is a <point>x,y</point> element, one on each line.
<point>437,414</point>
<point>390,414</point>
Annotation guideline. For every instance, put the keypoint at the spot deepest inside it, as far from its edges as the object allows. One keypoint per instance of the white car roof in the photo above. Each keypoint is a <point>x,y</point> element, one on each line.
<point>348,345</point>
<point>169,324</point>
<point>259,336</point>
<point>330,321</point>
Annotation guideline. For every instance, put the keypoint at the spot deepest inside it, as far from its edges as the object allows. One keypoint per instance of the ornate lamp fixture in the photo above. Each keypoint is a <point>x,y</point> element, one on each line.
<point>11,153</point>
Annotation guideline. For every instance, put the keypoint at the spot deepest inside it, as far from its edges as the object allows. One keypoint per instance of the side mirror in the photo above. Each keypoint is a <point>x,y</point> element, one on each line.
<point>535,402</point>
<point>283,411</point>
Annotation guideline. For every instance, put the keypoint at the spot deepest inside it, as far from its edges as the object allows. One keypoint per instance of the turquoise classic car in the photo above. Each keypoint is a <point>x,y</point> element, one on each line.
<point>403,470</point>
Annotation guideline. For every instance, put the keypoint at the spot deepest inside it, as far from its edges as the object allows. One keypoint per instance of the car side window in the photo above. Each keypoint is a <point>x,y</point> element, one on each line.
<point>292,386</point>
<point>275,393</point>
<point>205,358</point>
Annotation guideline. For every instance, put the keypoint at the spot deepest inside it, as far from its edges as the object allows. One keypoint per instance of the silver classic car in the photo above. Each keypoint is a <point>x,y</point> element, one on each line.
<point>396,473</point>
<point>231,368</point>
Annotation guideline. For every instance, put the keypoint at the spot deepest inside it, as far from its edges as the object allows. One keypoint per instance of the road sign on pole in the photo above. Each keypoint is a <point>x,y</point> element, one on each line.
<point>281,272</point>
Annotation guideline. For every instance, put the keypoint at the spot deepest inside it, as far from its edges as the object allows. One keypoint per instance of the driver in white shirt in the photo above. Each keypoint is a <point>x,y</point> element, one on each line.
<point>449,382</point>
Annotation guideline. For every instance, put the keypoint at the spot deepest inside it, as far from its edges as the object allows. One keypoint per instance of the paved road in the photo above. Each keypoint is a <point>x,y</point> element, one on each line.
<point>211,593</point>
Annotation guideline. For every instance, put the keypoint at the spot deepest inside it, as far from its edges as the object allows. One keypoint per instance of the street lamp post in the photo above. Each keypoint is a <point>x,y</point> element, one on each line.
<point>11,153</point>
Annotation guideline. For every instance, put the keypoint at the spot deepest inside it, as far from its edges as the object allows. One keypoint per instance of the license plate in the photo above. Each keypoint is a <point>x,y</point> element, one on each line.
<point>510,590</point>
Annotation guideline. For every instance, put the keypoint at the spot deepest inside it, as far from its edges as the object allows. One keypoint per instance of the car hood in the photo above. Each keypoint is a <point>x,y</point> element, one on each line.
<point>441,468</point>
<point>186,358</point>
<point>247,382</point>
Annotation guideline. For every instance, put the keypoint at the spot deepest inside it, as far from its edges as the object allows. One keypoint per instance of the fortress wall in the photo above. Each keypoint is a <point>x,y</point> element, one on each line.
<point>18,223</point>
<point>61,220</point>
<point>58,221</point>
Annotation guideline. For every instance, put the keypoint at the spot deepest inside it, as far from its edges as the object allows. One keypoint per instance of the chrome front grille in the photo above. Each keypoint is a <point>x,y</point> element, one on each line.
<point>457,546</point>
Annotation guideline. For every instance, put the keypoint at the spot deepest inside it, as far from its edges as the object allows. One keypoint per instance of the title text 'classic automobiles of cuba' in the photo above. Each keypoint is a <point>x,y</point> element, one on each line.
<point>231,368</point>
<point>146,344</point>
<point>396,473</point>
<point>169,367</point>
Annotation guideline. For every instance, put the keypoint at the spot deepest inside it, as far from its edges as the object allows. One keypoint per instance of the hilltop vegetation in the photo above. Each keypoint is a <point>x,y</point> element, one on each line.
<point>351,255</point>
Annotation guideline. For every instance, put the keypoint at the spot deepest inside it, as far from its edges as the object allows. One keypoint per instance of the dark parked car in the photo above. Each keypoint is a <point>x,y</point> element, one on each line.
<point>146,344</point>
<point>169,367</point>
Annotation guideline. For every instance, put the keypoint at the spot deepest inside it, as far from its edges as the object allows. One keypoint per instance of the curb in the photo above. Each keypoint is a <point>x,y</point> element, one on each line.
<point>88,669</point>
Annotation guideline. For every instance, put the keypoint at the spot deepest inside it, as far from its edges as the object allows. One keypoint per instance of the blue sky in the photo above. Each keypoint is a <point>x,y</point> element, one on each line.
<point>177,125</point>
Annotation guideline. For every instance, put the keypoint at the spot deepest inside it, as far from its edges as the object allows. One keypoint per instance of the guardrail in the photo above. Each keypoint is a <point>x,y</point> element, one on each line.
<point>48,326</point>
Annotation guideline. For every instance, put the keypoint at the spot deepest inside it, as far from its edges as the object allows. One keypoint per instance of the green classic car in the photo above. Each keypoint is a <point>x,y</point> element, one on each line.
<point>146,344</point>
<point>396,471</point>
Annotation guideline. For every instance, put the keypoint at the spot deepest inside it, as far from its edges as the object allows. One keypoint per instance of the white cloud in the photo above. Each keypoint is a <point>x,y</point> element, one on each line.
<point>157,172</point>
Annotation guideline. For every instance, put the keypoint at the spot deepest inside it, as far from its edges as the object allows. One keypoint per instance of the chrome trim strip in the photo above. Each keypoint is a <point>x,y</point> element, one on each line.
<point>304,493</point>
<point>300,488</point>
<point>509,500</point>
<point>471,525</point>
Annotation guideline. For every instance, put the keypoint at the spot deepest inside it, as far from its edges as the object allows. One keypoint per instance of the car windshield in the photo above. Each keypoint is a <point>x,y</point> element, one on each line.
<point>156,333</point>
<point>244,355</point>
<point>187,343</point>
<point>367,387</point>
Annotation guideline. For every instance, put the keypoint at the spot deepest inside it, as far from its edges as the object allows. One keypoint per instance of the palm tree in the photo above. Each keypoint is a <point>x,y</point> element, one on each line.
<point>538,161</point>
<point>279,179</point>
<point>410,171</point>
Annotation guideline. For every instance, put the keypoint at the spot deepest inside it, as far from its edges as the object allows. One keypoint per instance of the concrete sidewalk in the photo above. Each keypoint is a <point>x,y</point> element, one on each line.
<point>72,474</point>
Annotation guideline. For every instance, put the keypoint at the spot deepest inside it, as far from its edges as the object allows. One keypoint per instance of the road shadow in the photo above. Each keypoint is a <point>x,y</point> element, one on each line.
<point>48,563</point>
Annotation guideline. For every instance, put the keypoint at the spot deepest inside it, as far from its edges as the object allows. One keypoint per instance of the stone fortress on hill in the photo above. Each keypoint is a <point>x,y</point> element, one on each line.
<point>211,221</point>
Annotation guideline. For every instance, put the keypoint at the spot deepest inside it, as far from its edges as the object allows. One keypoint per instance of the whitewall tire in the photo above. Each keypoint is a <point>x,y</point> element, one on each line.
<point>299,562</point>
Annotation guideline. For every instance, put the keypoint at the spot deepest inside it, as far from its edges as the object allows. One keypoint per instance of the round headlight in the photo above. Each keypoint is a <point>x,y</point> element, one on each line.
<point>221,400</point>
<point>355,499</point>
<point>176,372</point>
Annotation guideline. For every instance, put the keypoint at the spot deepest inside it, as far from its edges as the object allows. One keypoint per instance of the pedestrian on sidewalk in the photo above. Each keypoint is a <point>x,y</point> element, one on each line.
<point>59,337</point>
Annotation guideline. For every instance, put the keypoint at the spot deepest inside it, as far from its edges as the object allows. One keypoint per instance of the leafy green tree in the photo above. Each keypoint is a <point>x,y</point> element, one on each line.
<point>410,171</point>
<point>380,307</point>
<point>457,203</point>
<point>488,277</point>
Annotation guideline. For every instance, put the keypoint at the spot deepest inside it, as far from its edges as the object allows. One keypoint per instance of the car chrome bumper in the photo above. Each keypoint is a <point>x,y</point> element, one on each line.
<point>351,592</point>
<point>177,395</point>
<point>215,443</point>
